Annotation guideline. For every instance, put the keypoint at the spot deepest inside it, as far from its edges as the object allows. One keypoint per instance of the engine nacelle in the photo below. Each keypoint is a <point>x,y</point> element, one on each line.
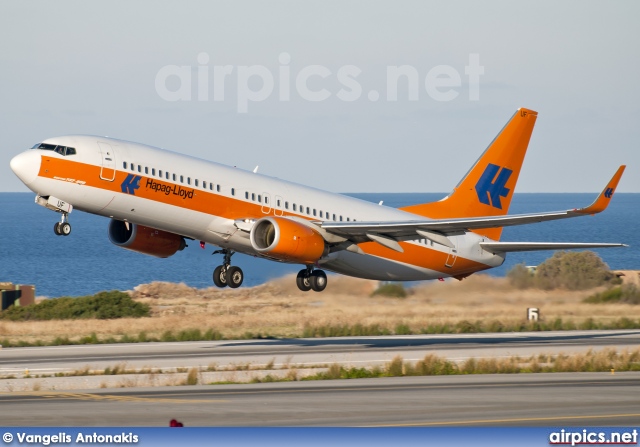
<point>287,240</point>
<point>145,240</point>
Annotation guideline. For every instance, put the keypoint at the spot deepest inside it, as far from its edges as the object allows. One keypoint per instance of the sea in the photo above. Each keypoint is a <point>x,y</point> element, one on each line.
<point>86,262</point>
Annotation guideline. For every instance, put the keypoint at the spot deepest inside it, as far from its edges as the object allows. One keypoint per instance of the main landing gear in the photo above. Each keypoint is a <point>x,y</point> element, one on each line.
<point>225,274</point>
<point>311,279</point>
<point>62,228</point>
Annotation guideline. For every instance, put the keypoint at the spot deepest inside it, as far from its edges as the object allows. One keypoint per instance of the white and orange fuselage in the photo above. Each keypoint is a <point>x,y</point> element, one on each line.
<point>168,195</point>
<point>133,186</point>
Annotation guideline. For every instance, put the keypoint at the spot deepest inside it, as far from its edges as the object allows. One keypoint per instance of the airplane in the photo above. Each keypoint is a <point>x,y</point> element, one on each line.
<point>156,200</point>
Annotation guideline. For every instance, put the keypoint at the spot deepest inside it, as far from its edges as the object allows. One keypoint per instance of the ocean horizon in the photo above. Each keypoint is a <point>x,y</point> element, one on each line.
<point>86,262</point>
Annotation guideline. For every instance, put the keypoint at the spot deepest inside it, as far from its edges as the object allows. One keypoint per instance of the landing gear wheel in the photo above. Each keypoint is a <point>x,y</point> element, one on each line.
<point>318,280</point>
<point>56,228</point>
<point>302,280</point>
<point>65,228</point>
<point>220,276</point>
<point>234,277</point>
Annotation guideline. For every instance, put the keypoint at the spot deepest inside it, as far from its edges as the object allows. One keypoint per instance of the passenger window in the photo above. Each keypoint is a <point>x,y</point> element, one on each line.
<point>153,172</point>
<point>146,170</point>
<point>139,168</point>
<point>233,191</point>
<point>253,196</point>
<point>259,198</point>
<point>188,180</point>
<point>218,188</point>
<point>196,183</point>
<point>334,217</point>
<point>286,205</point>
<point>174,177</point>
<point>133,167</point>
<point>308,210</point>
<point>314,211</point>
<point>160,173</point>
<point>246,195</point>
<point>340,218</point>
<point>266,200</point>
<point>294,207</point>
<point>348,219</point>
<point>124,165</point>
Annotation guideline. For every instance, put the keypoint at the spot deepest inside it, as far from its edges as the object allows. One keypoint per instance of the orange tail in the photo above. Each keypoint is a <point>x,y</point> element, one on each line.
<point>488,187</point>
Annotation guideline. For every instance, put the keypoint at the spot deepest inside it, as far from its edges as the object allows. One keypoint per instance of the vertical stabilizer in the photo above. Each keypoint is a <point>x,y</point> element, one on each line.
<point>488,187</point>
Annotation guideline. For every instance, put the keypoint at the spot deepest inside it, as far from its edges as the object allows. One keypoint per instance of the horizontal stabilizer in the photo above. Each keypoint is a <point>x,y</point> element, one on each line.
<point>505,247</point>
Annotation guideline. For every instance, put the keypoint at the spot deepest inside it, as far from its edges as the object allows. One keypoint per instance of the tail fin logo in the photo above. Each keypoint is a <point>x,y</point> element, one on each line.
<point>609,193</point>
<point>489,190</point>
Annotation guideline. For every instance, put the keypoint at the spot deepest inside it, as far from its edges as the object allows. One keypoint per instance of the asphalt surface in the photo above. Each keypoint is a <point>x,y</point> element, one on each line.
<point>355,351</point>
<point>585,399</point>
<point>582,399</point>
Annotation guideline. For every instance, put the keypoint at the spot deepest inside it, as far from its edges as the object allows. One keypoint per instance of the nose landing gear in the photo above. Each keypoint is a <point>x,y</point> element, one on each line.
<point>225,274</point>
<point>62,228</point>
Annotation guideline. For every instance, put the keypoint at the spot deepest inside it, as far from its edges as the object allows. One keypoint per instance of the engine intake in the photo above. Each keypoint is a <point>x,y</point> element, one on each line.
<point>145,240</point>
<point>287,240</point>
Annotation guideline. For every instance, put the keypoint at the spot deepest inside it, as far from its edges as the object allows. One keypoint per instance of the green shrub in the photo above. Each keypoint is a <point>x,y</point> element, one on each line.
<point>521,277</point>
<point>569,270</point>
<point>574,271</point>
<point>628,294</point>
<point>394,290</point>
<point>103,305</point>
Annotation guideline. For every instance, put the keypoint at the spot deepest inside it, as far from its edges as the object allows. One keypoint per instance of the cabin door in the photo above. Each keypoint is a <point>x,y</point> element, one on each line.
<point>108,168</point>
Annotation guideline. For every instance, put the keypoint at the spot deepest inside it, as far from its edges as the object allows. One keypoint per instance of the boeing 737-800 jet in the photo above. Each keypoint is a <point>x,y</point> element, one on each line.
<point>156,199</point>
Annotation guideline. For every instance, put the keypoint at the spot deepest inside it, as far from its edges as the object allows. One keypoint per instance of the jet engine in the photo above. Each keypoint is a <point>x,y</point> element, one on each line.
<point>287,240</point>
<point>145,240</point>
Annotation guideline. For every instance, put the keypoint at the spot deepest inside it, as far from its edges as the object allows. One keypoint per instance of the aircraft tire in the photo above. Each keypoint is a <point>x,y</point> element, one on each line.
<point>65,229</point>
<point>56,228</point>
<point>318,281</point>
<point>219,277</point>
<point>303,281</point>
<point>234,277</point>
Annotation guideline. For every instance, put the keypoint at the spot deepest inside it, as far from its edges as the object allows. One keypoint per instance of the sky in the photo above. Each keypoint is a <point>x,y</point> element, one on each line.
<point>308,94</point>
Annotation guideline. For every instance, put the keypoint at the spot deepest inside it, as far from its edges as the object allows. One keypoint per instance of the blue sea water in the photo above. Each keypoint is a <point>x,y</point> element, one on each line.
<point>86,262</point>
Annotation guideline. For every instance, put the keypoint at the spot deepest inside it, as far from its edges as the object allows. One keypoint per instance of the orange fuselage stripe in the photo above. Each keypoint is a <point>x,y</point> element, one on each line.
<point>200,200</point>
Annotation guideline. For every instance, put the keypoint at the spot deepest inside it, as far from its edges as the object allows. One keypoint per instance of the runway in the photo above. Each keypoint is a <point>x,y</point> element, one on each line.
<point>351,351</point>
<point>587,399</point>
<point>581,399</point>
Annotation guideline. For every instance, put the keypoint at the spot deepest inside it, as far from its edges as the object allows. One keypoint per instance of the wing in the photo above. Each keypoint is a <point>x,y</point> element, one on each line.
<point>389,233</point>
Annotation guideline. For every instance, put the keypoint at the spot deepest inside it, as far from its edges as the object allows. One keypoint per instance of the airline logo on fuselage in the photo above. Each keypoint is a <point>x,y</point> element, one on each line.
<point>130,184</point>
<point>490,188</point>
<point>169,189</point>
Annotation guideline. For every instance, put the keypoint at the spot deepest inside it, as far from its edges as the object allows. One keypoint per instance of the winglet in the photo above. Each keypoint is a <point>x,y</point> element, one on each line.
<point>601,203</point>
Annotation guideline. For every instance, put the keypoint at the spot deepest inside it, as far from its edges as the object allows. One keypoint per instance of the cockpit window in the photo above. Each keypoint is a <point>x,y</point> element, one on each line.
<point>45,146</point>
<point>62,150</point>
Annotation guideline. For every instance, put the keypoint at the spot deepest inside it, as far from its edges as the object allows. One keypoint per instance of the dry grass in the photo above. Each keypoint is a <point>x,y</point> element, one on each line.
<point>280,309</point>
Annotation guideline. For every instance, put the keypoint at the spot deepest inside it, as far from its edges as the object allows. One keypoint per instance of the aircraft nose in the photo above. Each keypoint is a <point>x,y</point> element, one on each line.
<point>26,166</point>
